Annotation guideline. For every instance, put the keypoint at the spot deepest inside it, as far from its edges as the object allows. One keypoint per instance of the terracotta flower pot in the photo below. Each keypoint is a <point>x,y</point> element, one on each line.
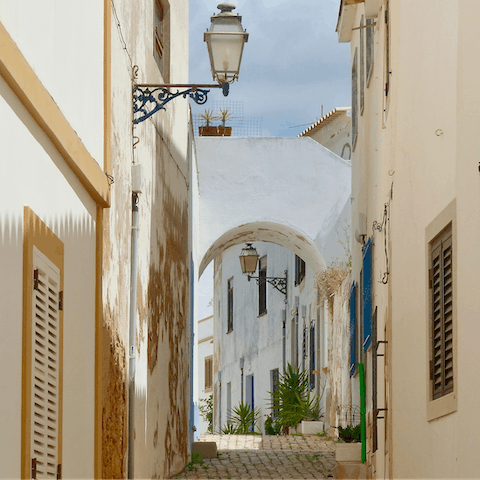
<point>225,131</point>
<point>208,131</point>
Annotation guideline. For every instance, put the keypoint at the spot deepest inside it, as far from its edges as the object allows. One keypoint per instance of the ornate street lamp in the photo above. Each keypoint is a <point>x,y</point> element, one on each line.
<point>225,40</point>
<point>248,263</point>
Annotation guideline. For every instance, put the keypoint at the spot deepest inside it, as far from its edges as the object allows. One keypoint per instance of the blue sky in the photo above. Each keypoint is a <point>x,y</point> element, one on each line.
<point>292,63</point>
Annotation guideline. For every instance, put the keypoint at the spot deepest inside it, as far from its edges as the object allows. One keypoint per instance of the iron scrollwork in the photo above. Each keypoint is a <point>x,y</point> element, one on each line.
<point>145,97</point>
<point>280,283</point>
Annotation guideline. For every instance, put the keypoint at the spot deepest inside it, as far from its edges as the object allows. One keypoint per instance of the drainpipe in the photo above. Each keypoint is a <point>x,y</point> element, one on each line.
<point>136,190</point>
<point>363,433</point>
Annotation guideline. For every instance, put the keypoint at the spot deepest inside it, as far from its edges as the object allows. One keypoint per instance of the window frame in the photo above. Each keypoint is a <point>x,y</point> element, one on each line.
<point>262,286</point>
<point>447,403</point>
<point>230,304</point>
<point>208,387</point>
<point>300,268</point>
<point>161,43</point>
<point>369,50</point>
<point>37,235</point>
<point>354,93</point>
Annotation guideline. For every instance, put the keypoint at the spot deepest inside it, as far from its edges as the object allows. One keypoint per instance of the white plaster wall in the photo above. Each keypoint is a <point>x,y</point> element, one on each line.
<point>258,339</point>
<point>35,175</point>
<point>63,43</point>
<point>295,184</point>
<point>336,135</point>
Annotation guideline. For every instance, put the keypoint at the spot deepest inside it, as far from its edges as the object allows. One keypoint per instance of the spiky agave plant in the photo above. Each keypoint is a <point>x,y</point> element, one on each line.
<point>292,400</point>
<point>244,418</point>
<point>224,115</point>
<point>208,116</point>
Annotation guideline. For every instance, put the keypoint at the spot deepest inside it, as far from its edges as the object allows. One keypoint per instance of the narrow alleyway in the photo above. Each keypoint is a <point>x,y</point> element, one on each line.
<point>252,457</point>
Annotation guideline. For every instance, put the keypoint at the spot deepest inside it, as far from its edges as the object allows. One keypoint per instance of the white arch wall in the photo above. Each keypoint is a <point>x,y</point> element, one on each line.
<point>290,191</point>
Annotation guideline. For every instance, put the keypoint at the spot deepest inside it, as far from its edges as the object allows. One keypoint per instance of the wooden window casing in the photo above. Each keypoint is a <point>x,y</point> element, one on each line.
<point>370,49</point>
<point>299,270</point>
<point>354,101</point>
<point>353,329</point>
<point>42,365</point>
<point>312,355</point>
<point>362,65</point>
<point>209,373</point>
<point>274,381</point>
<point>441,287</point>
<point>161,36</point>
<point>262,287</point>
<point>230,305</point>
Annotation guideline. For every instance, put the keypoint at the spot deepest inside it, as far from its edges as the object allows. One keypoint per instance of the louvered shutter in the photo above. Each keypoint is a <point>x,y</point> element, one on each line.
<point>367,294</point>
<point>442,315</point>
<point>45,366</point>
<point>353,328</point>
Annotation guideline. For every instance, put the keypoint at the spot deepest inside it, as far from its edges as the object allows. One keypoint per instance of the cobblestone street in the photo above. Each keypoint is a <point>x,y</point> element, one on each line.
<point>252,456</point>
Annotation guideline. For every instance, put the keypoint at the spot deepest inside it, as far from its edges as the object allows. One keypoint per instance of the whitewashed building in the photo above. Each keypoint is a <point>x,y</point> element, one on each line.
<point>259,329</point>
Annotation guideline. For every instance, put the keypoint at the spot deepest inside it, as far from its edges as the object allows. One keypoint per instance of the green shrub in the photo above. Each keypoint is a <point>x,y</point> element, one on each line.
<point>292,401</point>
<point>272,427</point>
<point>244,418</point>
<point>206,411</point>
<point>350,434</point>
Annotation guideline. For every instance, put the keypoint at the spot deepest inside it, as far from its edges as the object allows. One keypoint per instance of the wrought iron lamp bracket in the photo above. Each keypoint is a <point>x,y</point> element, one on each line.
<point>149,99</point>
<point>280,283</point>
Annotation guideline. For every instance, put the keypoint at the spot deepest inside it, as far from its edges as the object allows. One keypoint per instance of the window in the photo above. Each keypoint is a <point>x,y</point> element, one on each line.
<point>369,49</point>
<point>294,340</point>
<point>262,286</point>
<point>440,236</point>
<point>367,294</point>
<point>353,329</point>
<point>387,48</point>
<point>230,305</point>
<point>362,65</point>
<point>354,101</point>
<point>208,373</point>
<point>299,270</point>
<point>312,355</point>
<point>229,401</point>
<point>441,291</point>
<point>42,350</point>
<point>161,36</point>
<point>274,379</point>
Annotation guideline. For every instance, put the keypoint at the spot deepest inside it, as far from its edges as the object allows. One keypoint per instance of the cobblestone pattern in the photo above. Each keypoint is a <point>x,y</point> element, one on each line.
<point>254,456</point>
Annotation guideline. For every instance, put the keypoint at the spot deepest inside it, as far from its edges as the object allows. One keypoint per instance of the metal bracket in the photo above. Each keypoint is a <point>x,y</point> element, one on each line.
<point>149,99</point>
<point>280,283</point>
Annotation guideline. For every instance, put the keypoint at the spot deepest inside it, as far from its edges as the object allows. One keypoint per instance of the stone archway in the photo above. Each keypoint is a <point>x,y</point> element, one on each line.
<point>289,191</point>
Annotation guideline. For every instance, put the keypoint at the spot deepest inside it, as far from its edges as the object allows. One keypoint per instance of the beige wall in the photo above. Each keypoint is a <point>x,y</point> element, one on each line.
<point>34,174</point>
<point>421,143</point>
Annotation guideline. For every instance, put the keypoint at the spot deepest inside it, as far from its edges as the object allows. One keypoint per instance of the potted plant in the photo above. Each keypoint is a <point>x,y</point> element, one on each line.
<point>292,400</point>
<point>224,115</point>
<point>208,130</point>
<point>350,448</point>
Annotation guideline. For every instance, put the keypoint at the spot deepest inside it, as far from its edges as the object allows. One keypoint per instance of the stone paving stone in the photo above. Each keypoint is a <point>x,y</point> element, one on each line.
<point>258,457</point>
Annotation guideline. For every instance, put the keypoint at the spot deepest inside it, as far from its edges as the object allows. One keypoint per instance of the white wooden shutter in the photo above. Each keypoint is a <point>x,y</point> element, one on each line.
<point>45,366</point>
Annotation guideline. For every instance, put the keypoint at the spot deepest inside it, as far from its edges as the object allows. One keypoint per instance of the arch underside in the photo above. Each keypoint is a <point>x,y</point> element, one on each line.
<point>266,232</point>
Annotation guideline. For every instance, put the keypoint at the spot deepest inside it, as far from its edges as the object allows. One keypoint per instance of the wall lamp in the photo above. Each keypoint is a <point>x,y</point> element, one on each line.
<point>248,263</point>
<point>225,40</point>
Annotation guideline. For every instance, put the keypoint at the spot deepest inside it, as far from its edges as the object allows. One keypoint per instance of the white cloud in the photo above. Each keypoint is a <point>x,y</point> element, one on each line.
<point>292,63</point>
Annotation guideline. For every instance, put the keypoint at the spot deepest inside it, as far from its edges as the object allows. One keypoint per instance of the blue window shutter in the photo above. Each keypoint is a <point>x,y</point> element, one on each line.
<point>353,328</point>
<point>367,295</point>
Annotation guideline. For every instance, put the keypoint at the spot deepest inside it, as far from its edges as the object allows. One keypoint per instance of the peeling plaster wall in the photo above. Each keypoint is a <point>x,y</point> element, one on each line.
<point>162,380</point>
<point>340,389</point>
